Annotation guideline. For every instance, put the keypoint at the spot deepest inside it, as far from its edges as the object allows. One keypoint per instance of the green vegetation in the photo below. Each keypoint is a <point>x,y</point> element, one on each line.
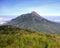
<point>12,37</point>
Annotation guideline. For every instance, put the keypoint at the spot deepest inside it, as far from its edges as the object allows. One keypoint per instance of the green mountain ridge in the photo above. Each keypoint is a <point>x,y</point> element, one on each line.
<point>12,37</point>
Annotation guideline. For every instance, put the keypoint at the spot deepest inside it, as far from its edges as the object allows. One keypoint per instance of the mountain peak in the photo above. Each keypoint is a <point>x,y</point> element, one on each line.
<point>33,13</point>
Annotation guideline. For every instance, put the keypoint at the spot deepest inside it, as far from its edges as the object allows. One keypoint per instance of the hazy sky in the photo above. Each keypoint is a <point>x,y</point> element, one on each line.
<point>18,7</point>
<point>12,8</point>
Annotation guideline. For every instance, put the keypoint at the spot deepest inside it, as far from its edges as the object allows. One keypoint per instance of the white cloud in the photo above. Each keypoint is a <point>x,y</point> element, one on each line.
<point>57,20</point>
<point>4,20</point>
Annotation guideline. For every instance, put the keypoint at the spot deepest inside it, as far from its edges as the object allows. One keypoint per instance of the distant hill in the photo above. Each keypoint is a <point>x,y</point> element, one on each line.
<point>12,37</point>
<point>34,21</point>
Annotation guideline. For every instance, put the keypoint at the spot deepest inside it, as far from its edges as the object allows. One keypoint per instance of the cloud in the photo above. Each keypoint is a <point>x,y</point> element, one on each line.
<point>57,20</point>
<point>4,20</point>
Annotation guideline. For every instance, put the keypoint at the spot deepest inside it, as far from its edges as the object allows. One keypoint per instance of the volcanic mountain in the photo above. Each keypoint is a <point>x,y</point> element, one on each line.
<point>34,21</point>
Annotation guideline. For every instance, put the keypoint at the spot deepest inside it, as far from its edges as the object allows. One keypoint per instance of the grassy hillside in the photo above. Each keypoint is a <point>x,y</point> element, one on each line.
<point>12,37</point>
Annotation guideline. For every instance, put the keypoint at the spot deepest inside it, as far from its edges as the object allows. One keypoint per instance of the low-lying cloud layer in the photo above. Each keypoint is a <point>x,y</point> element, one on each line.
<point>57,20</point>
<point>4,20</point>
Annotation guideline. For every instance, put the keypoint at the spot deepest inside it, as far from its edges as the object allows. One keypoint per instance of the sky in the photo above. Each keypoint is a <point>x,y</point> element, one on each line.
<point>13,8</point>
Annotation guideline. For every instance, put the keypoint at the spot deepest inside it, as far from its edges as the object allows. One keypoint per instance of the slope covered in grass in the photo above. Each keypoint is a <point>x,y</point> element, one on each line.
<point>12,37</point>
